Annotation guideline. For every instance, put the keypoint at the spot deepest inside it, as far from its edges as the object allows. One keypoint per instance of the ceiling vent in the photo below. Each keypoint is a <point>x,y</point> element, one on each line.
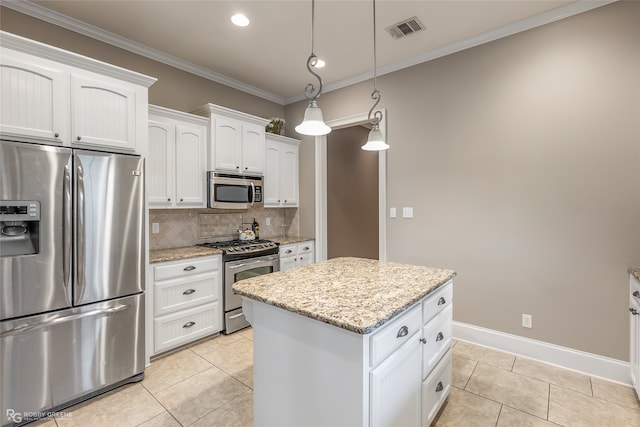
<point>404,28</point>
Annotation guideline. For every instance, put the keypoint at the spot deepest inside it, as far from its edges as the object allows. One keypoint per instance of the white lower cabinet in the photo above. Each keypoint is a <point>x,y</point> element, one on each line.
<point>634,308</point>
<point>187,301</point>
<point>296,255</point>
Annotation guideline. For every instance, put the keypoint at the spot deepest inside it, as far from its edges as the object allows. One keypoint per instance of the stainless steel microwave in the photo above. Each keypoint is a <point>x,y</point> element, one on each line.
<point>229,191</point>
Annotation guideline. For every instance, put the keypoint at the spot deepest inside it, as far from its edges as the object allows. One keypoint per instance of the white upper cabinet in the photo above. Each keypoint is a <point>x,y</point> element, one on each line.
<point>103,113</point>
<point>281,171</point>
<point>176,165</point>
<point>237,140</point>
<point>54,96</point>
<point>34,97</point>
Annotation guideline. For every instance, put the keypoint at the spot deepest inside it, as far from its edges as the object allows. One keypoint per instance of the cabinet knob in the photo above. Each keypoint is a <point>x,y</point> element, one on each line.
<point>188,324</point>
<point>440,337</point>
<point>402,332</point>
<point>278,200</point>
<point>189,292</point>
<point>78,137</point>
<point>285,200</point>
<point>439,387</point>
<point>442,301</point>
<point>246,168</point>
<point>57,135</point>
<point>169,199</point>
<point>423,340</point>
<point>636,294</point>
<point>181,199</point>
<point>634,311</point>
<point>237,167</point>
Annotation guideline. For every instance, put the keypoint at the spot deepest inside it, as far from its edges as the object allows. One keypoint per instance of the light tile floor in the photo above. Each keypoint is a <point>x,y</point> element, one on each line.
<point>210,384</point>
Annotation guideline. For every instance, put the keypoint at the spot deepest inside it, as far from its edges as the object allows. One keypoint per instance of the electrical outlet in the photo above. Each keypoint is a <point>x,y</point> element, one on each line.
<point>527,321</point>
<point>155,227</point>
<point>268,221</point>
<point>392,212</point>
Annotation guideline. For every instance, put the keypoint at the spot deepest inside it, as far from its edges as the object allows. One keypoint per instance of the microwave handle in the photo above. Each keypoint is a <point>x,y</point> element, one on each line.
<point>253,193</point>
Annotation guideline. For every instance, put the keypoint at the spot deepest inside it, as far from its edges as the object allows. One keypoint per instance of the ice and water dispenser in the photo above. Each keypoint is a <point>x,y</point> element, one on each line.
<point>19,227</point>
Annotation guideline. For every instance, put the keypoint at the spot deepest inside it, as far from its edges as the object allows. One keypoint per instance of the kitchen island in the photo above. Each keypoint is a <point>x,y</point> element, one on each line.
<point>350,342</point>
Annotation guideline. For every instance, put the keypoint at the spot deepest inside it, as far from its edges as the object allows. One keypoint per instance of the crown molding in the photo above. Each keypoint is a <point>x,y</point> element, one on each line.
<point>42,13</point>
<point>486,37</point>
<point>72,24</point>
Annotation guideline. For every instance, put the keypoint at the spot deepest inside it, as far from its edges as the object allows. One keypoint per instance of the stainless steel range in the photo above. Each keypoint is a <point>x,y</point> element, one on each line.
<point>243,259</point>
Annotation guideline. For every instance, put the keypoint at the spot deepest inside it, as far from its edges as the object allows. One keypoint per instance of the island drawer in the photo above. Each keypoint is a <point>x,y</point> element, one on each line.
<point>187,325</point>
<point>437,302</point>
<point>435,389</point>
<point>395,334</point>
<point>437,339</point>
<point>178,294</point>
<point>192,266</point>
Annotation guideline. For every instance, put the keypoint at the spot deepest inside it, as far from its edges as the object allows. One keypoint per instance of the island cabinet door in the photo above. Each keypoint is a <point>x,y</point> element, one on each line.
<point>395,387</point>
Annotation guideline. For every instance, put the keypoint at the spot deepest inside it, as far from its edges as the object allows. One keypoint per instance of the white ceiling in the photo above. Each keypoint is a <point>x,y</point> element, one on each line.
<point>268,58</point>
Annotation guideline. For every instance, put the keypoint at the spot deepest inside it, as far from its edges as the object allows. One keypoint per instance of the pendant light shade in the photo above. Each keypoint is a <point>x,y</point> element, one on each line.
<point>375,141</point>
<point>313,123</point>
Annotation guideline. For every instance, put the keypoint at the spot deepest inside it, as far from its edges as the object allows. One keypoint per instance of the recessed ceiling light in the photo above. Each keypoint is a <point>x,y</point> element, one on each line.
<point>319,63</point>
<point>240,20</point>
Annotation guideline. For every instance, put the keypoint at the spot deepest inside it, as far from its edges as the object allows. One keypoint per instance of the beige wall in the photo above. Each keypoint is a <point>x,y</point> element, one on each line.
<point>524,154</point>
<point>352,195</point>
<point>174,89</point>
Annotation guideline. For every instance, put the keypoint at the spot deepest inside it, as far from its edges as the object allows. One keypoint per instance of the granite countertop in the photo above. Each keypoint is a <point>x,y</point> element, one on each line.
<point>175,254</point>
<point>287,240</point>
<point>356,294</point>
<point>635,272</point>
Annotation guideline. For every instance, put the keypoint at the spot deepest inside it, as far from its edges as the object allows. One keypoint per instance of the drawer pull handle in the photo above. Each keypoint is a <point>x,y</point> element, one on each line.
<point>188,324</point>
<point>439,387</point>
<point>423,340</point>
<point>306,248</point>
<point>442,301</point>
<point>189,292</point>
<point>189,268</point>
<point>636,294</point>
<point>634,311</point>
<point>402,332</point>
<point>288,251</point>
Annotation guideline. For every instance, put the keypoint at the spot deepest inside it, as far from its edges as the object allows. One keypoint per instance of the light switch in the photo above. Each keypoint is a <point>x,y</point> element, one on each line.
<point>392,212</point>
<point>155,227</point>
<point>407,212</point>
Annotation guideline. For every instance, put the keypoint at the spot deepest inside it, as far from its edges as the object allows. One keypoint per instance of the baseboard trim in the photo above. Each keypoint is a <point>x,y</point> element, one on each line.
<point>576,360</point>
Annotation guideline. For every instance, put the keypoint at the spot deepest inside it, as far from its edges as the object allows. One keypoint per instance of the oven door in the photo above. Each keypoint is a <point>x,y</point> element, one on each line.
<point>237,270</point>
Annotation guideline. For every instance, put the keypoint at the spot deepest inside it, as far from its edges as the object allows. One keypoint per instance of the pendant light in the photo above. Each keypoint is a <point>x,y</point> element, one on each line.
<point>375,141</point>
<point>313,123</point>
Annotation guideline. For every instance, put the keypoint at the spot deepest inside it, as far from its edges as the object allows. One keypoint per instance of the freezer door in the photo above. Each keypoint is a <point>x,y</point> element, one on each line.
<point>40,281</point>
<point>109,224</point>
<point>51,359</point>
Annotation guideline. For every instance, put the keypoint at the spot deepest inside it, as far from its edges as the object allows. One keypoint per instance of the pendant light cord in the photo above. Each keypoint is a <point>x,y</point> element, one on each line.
<point>310,91</point>
<point>375,118</point>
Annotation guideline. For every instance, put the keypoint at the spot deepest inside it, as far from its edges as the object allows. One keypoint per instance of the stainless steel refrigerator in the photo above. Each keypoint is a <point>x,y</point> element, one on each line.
<point>71,276</point>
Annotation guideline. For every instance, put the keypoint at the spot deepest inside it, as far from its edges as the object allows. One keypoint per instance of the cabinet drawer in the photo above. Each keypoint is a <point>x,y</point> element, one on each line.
<point>395,334</point>
<point>437,334</point>
<point>178,294</point>
<point>178,328</point>
<point>437,302</point>
<point>435,390</point>
<point>171,270</point>
<point>305,248</point>
<point>288,250</point>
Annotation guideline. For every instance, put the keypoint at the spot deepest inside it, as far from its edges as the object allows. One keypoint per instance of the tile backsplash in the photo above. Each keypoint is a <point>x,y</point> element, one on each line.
<point>188,227</point>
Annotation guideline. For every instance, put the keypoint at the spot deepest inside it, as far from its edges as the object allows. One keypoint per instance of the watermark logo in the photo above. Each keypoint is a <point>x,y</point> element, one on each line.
<point>18,417</point>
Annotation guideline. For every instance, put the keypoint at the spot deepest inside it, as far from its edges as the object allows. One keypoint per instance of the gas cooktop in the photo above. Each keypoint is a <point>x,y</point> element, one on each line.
<point>244,248</point>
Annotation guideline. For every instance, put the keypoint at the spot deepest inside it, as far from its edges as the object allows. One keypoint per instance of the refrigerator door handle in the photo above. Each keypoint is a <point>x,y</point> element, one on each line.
<point>64,319</point>
<point>67,212</point>
<point>80,237</point>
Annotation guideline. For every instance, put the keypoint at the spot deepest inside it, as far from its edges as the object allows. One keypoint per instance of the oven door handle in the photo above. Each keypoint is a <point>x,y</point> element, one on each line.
<point>251,263</point>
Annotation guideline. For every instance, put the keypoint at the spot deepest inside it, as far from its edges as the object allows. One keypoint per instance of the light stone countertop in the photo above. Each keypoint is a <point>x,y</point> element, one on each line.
<point>356,294</point>
<point>635,272</point>
<point>175,254</point>
<point>287,240</point>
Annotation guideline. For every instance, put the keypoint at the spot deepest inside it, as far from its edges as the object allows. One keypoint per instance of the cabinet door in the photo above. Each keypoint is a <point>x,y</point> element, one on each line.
<point>160,165</point>
<point>396,383</point>
<point>253,148</point>
<point>289,175</point>
<point>287,263</point>
<point>635,343</point>
<point>227,138</point>
<point>34,99</point>
<point>102,114</point>
<point>272,174</point>
<point>190,166</point>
